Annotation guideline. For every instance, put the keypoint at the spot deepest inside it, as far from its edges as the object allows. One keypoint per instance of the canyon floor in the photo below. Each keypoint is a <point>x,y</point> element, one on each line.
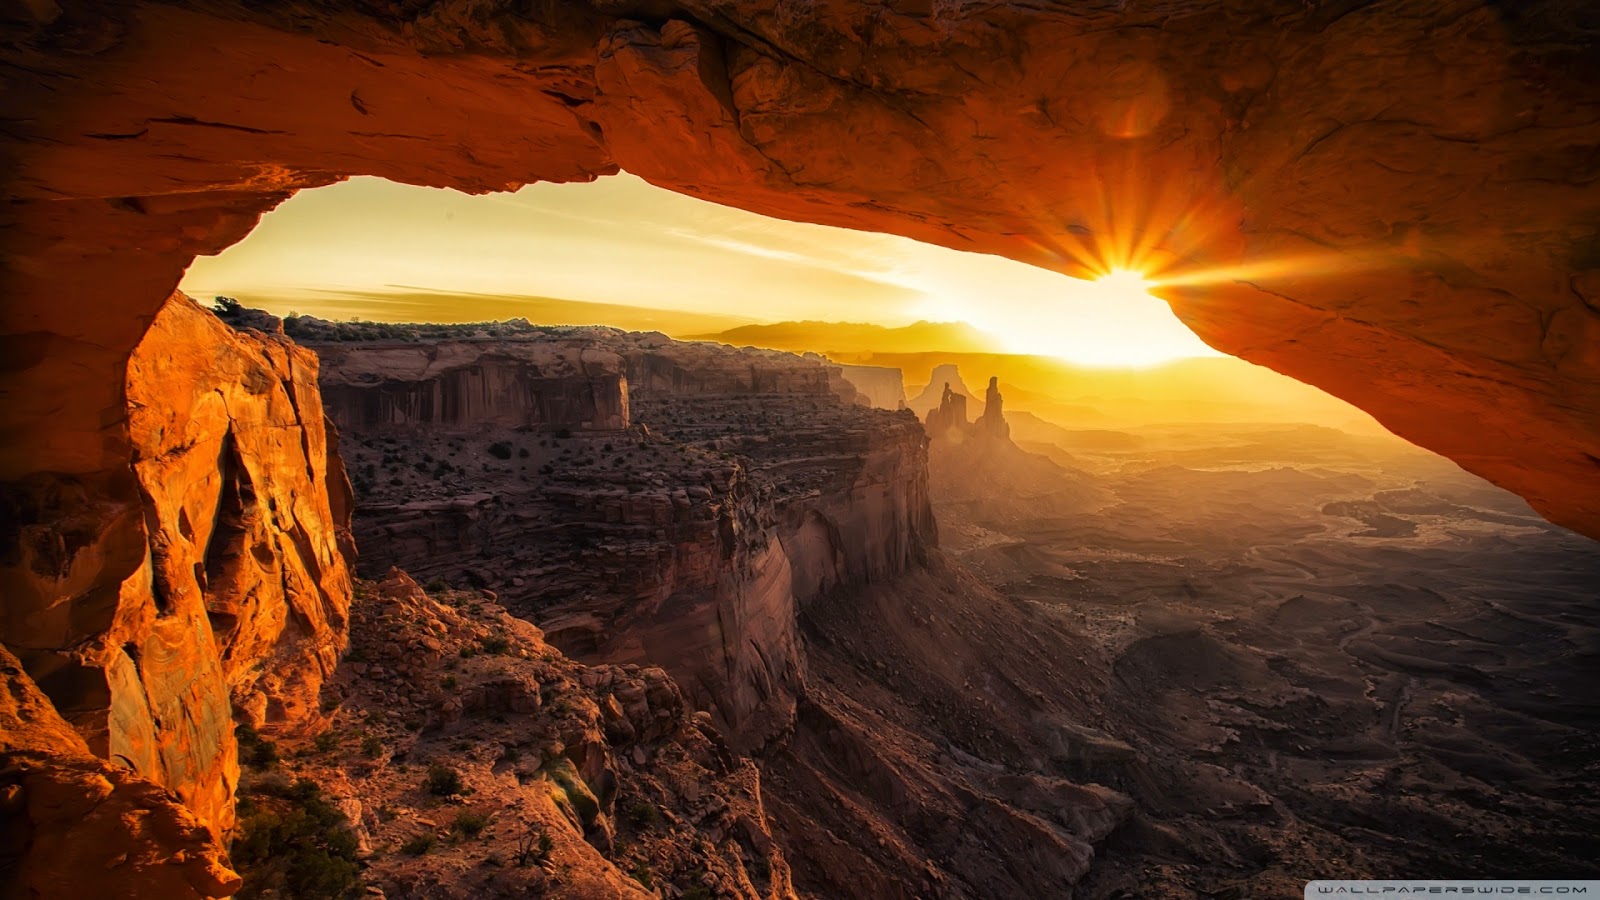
<point>1334,654</point>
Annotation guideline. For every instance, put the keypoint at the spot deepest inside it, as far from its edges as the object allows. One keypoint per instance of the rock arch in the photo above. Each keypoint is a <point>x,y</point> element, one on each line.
<point>1399,205</point>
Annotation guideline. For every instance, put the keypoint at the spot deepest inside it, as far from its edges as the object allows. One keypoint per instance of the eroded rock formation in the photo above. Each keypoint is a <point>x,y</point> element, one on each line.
<point>945,376</point>
<point>236,587</point>
<point>1394,204</point>
<point>749,481</point>
<point>460,384</point>
<point>73,825</point>
<point>949,419</point>
<point>581,782</point>
<point>993,421</point>
<point>882,386</point>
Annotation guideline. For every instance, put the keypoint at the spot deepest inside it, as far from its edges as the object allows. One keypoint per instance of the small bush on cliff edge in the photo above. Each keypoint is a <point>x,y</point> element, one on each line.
<point>255,751</point>
<point>293,843</point>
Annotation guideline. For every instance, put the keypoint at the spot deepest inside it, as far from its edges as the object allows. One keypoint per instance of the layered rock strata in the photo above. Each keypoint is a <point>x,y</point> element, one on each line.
<point>464,384</point>
<point>746,482</point>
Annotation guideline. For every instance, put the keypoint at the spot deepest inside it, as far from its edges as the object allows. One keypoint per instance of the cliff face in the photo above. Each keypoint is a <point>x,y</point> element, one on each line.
<point>235,604</point>
<point>870,525</point>
<point>882,386</point>
<point>73,825</point>
<point>746,482</point>
<point>464,384</point>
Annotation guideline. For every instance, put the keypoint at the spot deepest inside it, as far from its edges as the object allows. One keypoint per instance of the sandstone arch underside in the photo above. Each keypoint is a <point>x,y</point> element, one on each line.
<point>1396,202</point>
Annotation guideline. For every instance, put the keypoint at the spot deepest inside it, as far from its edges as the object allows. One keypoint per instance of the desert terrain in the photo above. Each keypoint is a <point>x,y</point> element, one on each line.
<point>1332,652</point>
<point>1210,658</point>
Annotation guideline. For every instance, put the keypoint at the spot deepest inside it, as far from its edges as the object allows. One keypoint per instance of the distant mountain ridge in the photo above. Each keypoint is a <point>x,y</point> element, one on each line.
<point>858,337</point>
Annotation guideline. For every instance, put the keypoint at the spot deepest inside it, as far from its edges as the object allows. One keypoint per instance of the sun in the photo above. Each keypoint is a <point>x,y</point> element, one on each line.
<point>1125,283</point>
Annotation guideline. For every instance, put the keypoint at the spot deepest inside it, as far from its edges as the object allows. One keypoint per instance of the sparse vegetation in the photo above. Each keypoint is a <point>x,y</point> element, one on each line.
<point>418,845</point>
<point>443,781</point>
<point>470,824</point>
<point>500,450</point>
<point>255,751</point>
<point>642,814</point>
<point>294,843</point>
<point>496,645</point>
<point>533,846</point>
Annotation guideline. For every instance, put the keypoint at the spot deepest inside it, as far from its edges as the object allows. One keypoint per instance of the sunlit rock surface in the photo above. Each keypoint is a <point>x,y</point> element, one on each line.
<point>635,791</point>
<point>73,825</point>
<point>236,595</point>
<point>1395,204</point>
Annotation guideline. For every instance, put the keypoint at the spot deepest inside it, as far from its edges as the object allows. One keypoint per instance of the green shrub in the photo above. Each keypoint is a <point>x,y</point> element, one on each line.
<point>293,843</point>
<point>436,586</point>
<point>418,845</point>
<point>500,450</point>
<point>533,846</point>
<point>371,746</point>
<point>642,814</point>
<point>255,751</point>
<point>470,824</point>
<point>442,781</point>
<point>497,645</point>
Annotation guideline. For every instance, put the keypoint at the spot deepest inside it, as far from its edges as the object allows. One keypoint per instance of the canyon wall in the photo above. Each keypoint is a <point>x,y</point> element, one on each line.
<point>234,602</point>
<point>746,481</point>
<point>73,825</point>
<point>453,384</point>
<point>882,386</point>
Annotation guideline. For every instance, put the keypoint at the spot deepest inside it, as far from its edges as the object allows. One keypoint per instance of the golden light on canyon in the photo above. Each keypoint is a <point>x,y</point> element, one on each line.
<point>632,254</point>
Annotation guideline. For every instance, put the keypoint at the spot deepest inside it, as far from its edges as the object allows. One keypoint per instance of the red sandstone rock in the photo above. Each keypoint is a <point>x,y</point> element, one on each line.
<point>236,602</point>
<point>1393,204</point>
<point>74,826</point>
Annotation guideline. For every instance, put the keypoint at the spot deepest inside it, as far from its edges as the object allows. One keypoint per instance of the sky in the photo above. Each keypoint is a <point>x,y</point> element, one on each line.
<point>340,251</point>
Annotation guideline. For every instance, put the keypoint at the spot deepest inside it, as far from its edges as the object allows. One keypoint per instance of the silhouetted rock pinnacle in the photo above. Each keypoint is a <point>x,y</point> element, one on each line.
<point>993,421</point>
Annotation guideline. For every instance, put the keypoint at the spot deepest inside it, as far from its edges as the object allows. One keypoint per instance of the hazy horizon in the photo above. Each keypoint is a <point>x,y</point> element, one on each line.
<point>370,248</point>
